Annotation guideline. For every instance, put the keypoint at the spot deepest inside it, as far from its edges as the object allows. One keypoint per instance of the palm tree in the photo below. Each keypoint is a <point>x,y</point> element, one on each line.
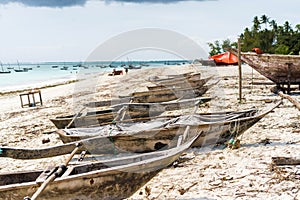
<point>256,24</point>
<point>274,25</point>
<point>298,27</point>
<point>287,27</point>
<point>264,20</point>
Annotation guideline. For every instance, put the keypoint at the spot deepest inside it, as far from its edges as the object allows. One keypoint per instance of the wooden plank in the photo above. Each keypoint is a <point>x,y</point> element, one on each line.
<point>286,160</point>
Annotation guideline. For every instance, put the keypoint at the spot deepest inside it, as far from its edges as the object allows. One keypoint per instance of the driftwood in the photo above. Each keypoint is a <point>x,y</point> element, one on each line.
<point>288,97</point>
<point>286,160</point>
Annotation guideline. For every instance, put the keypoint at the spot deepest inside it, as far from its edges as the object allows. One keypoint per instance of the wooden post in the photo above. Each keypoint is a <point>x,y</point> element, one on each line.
<point>240,70</point>
<point>289,77</point>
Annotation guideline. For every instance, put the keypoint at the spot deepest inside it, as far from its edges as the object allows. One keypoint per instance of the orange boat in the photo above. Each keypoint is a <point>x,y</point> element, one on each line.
<point>226,58</point>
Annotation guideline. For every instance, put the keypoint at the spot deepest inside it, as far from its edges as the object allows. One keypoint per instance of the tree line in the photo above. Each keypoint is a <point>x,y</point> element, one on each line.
<point>265,34</point>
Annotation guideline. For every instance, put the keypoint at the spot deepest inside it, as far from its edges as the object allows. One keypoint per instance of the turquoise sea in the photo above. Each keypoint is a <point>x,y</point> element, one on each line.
<point>50,73</point>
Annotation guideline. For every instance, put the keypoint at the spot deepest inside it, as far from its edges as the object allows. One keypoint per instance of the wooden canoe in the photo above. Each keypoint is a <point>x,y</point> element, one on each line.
<point>168,94</point>
<point>97,118</point>
<point>153,97</point>
<point>164,106</point>
<point>173,79</point>
<point>281,69</point>
<point>168,77</point>
<point>214,129</point>
<point>135,111</point>
<point>189,83</point>
<point>156,134</point>
<point>117,178</point>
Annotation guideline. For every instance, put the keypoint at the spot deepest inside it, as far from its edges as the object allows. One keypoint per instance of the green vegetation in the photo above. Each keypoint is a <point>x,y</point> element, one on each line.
<point>267,35</point>
<point>217,47</point>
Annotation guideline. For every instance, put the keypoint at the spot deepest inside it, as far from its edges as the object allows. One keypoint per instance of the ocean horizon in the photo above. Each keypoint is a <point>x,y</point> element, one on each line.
<point>24,76</point>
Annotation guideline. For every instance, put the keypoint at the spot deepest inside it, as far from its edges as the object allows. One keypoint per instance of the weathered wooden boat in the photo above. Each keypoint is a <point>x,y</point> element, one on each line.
<point>169,77</point>
<point>215,128</point>
<point>192,76</point>
<point>97,118</point>
<point>281,69</point>
<point>133,111</point>
<point>164,106</point>
<point>160,133</point>
<point>117,178</point>
<point>156,96</point>
<point>188,83</point>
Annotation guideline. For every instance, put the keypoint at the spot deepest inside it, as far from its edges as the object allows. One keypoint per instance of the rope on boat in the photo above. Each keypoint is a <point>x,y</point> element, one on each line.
<point>112,141</point>
<point>234,143</point>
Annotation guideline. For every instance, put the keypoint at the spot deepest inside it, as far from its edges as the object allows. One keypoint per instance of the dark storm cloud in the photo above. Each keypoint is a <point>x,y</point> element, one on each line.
<point>47,3</point>
<point>151,1</point>
<point>66,3</point>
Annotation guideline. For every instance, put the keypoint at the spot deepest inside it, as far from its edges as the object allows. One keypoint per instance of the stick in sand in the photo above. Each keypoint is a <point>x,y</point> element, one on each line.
<point>288,97</point>
<point>51,178</point>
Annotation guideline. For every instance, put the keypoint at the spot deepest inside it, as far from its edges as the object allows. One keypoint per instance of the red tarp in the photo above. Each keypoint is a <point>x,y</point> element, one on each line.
<point>226,58</point>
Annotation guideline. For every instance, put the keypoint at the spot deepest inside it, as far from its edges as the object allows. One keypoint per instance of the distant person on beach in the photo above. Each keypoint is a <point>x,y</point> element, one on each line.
<point>126,70</point>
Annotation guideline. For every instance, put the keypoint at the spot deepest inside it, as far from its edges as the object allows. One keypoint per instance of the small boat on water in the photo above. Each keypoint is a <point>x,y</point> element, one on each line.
<point>280,69</point>
<point>3,71</point>
<point>21,70</point>
<point>64,68</point>
<point>115,178</point>
<point>54,66</point>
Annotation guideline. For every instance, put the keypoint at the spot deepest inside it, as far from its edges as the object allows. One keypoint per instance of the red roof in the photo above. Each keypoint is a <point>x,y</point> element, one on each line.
<point>226,58</point>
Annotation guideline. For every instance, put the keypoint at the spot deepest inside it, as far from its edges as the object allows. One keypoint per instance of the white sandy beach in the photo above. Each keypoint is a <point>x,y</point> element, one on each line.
<point>209,173</point>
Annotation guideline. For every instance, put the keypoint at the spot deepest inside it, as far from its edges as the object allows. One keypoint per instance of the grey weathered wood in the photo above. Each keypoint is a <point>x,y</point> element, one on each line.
<point>117,178</point>
<point>53,176</point>
<point>214,129</point>
<point>135,110</point>
<point>273,66</point>
<point>286,160</point>
<point>288,97</point>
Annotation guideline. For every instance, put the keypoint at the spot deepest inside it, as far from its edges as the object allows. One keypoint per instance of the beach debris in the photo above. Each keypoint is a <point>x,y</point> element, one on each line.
<point>288,97</point>
<point>286,160</point>
<point>45,140</point>
<point>182,191</point>
<point>147,191</point>
<point>265,141</point>
<point>234,143</point>
<point>182,159</point>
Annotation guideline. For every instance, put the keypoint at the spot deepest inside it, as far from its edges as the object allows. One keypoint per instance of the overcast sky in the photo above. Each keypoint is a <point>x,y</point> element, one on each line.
<point>69,30</point>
